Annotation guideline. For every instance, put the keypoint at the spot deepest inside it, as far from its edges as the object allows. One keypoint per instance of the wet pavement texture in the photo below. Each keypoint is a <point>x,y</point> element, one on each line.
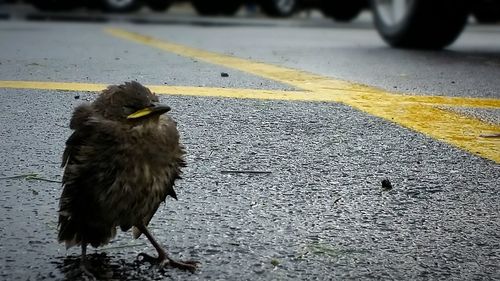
<point>42,52</point>
<point>314,207</point>
<point>468,68</point>
<point>319,212</point>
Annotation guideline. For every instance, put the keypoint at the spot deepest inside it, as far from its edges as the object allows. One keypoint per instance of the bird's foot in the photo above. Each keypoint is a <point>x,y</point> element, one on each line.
<point>184,265</point>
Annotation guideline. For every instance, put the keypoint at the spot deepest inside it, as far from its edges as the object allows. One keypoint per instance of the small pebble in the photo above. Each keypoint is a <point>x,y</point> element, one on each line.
<point>77,97</point>
<point>224,74</point>
<point>386,184</point>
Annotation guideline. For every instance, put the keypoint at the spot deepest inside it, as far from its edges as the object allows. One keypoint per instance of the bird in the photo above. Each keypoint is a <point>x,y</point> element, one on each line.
<point>120,162</point>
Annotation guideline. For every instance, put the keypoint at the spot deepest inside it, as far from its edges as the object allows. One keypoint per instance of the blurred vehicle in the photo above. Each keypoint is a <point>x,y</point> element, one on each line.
<point>425,24</point>
<point>340,10</point>
<point>115,6</point>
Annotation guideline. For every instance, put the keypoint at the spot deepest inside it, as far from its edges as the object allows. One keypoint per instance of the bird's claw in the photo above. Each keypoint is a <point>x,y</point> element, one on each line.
<point>184,265</point>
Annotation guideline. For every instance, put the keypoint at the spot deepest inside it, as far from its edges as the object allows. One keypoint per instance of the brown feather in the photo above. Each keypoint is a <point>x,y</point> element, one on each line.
<point>117,171</point>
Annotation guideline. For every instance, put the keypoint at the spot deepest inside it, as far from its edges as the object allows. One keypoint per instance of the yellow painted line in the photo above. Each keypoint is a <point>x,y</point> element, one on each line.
<point>419,113</point>
<point>415,112</point>
<point>333,96</point>
<point>305,80</point>
<point>165,90</point>
<point>343,90</point>
<point>434,100</point>
<point>64,86</point>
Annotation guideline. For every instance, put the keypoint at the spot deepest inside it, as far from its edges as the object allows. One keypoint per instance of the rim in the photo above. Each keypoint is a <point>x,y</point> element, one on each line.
<point>120,3</point>
<point>393,12</point>
<point>285,6</point>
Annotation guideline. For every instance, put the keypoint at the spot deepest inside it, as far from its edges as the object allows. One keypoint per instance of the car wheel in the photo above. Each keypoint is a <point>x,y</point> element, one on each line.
<point>121,6</point>
<point>342,11</point>
<point>419,24</point>
<point>279,8</point>
<point>159,5</point>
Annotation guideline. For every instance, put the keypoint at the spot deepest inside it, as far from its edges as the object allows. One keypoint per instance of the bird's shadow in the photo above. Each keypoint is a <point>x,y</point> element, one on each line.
<point>104,267</point>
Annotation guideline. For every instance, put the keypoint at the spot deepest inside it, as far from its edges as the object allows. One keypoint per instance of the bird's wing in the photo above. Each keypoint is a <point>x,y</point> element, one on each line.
<point>88,172</point>
<point>173,153</point>
<point>78,123</point>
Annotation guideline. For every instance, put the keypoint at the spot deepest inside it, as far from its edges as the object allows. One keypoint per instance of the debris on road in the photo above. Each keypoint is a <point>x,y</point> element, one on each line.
<point>386,184</point>
<point>224,74</point>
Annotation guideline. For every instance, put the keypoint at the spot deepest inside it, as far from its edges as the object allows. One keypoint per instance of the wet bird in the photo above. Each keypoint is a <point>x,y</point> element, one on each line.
<point>120,163</point>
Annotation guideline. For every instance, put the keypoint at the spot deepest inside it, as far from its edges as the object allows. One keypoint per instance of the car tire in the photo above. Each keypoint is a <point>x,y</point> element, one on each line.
<point>121,6</point>
<point>342,11</point>
<point>279,8</point>
<point>419,24</point>
<point>159,5</point>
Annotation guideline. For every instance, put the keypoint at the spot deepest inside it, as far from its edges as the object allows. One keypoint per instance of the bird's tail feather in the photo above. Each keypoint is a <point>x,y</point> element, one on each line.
<point>67,232</point>
<point>73,233</point>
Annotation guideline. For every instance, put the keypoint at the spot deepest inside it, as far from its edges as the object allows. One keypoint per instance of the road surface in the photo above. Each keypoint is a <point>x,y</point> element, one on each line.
<point>286,153</point>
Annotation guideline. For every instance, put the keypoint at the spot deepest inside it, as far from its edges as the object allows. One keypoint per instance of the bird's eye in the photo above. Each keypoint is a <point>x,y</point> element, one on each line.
<point>127,109</point>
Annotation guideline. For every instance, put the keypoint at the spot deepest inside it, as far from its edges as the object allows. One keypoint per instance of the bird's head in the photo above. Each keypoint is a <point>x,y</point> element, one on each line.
<point>129,102</point>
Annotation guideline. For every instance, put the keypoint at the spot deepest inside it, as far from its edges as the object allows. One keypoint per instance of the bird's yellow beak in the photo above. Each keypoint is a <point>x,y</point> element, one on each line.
<point>156,109</point>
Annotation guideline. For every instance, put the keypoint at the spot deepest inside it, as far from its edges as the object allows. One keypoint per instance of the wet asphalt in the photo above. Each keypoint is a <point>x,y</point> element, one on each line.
<point>314,209</point>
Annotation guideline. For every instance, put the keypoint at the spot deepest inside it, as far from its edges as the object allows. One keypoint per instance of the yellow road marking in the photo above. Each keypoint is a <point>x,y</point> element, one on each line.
<point>414,112</point>
<point>419,113</point>
<point>64,86</point>
<point>333,96</point>
<point>342,90</point>
<point>165,90</point>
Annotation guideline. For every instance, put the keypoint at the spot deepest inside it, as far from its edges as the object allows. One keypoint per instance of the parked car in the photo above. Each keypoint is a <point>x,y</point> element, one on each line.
<point>428,24</point>
<point>401,23</point>
<point>115,6</point>
<point>341,10</point>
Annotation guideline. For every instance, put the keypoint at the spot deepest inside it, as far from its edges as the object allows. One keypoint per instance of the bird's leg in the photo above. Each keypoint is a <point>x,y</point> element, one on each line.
<point>84,263</point>
<point>163,257</point>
